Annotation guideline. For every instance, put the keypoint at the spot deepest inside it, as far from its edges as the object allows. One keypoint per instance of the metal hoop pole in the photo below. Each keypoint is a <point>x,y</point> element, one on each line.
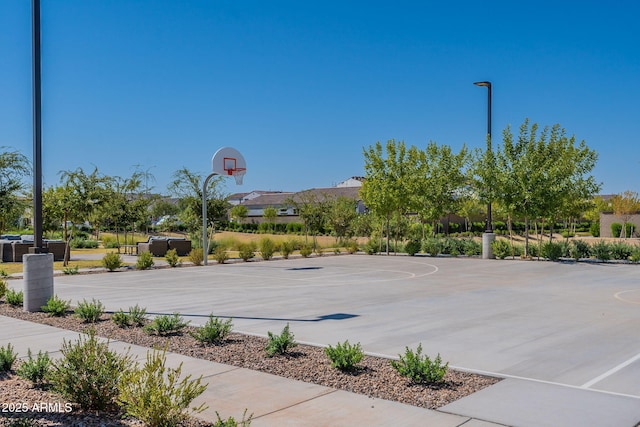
<point>205,244</point>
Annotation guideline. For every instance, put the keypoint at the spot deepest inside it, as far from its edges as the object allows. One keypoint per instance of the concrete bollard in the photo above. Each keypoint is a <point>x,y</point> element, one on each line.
<point>38,280</point>
<point>487,250</point>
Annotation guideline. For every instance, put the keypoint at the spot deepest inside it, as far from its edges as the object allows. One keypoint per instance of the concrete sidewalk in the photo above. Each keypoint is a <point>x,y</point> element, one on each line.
<point>274,401</point>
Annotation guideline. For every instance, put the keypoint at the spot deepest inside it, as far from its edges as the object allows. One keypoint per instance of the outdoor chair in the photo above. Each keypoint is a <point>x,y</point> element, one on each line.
<point>19,249</point>
<point>182,246</point>
<point>57,248</point>
<point>157,247</point>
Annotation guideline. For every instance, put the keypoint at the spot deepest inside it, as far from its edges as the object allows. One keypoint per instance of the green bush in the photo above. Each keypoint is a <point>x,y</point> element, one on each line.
<point>166,325</point>
<point>71,270</point>
<point>112,261</point>
<point>594,229</point>
<point>35,370</point>
<point>601,250</point>
<point>616,229</point>
<point>635,255</point>
<point>172,258</point>
<point>344,356</point>
<point>420,369</point>
<point>372,246</point>
<point>88,372</point>
<point>630,228</point>
<point>56,307</point>
<point>432,246</point>
<point>552,251</point>
<point>286,247</point>
<point>3,288</point>
<point>136,316</point>
<point>306,251</point>
<point>231,422</point>
<point>246,251</point>
<point>121,319</point>
<point>267,248</point>
<point>83,243</point>
<point>145,261</point>
<point>280,344</point>
<point>412,247</point>
<point>214,331</point>
<point>89,312</point>
<point>352,246</point>
<point>579,249</point>
<point>196,256</point>
<point>220,255</point>
<point>7,357</point>
<point>14,298</point>
<point>156,395</point>
<point>501,248</point>
<point>620,250</point>
<point>471,247</point>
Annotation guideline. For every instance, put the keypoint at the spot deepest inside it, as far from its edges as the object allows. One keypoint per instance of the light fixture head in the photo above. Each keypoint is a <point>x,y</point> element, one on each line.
<point>486,84</point>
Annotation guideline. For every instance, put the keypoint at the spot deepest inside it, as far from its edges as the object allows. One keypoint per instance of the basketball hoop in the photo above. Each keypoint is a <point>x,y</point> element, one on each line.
<point>230,166</point>
<point>228,161</point>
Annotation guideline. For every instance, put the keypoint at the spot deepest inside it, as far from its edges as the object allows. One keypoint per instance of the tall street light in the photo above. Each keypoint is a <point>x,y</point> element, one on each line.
<point>488,235</point>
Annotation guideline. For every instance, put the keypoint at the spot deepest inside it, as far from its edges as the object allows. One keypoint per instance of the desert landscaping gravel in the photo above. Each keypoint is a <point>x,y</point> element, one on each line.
<point>375,377</point>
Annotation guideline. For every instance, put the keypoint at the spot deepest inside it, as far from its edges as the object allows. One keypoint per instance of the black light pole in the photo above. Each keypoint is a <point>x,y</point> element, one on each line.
<point>489,228</point>
<point>37,131</point>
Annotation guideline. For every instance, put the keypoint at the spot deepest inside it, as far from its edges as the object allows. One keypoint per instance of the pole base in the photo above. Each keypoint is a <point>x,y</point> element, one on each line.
<point>487,251</point>
<point>38,281</point>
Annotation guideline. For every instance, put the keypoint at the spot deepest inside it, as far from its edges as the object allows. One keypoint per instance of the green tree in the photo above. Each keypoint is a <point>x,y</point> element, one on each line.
<point>311,210</point>
<point>14,167</point>
<point>341,214</point>
<point>238,213</point>
<point>187,187</point>
<point>385,189</point>
<point>270,214</point>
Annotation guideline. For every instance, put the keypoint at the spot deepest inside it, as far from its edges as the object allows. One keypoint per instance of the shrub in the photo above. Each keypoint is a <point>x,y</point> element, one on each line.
<point>305,251</point>
<point>196,256</point>
<point>89,312</point>
<point>372,246</point>
<point>172,258</point>
<point>412,247</point>
<point>344,356</point>
<point>112,261</point>
<point>420,369</point>
<point>280,344</point>
<point>352,246</point>
<point>286,247</point>
<point>601,250</point>
<point>138,315</point>
<point>501,248</point>
<point>620,250</point>
<point>156,395</point>
<point>432,246</point>
<point>71,270</point>
<point>214,331</point>
<point>166,325</point>
<point>552,251</point>
<point>14,298</point>
<point>121,319</point>
<point>145,261</point>
<point>629,229</point>
<point>635,255</point>
<point>56,307</point>
<point>7,357</point>
<point>616,229</point>
<point>220,255</point>
<point>579,249</point>
<point>88,372</point>
<point>594,229</point>
<point>3,288</point>
<point>35,370</point>
<point>267,248</point>
<point>246,251</point>
<point>83,243</point>
<point>471,247</point>
<point>231,422</point>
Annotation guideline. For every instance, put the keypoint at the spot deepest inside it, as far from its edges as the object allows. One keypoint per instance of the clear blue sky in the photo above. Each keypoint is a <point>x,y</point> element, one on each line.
<point>300,87</point>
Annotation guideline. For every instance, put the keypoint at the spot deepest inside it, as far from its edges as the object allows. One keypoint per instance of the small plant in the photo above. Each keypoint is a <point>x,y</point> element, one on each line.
<point>56,307</point>
<point>14,298</point>
<point>166,325</point>
<point>121,319</point>
<point>220,255</point>
<point>88,372</point>
<point>138,315</point>
<point>7,357</point>
<point>412,247</point>
<point>89,312</point>
<point>196,256</point>
<point>280,344</point>
<point>3,288</point>
<point>579,249</point>
<point>172,258</point>
<point>246,251</point>
<point>286,248</point>
<point>214,331</point>
<point>501,248</point>
<point>156,395</point>
<point>35,370</point>
<point>352,247</point>
<point>231,422</point>
<point>145,261</point>
<point>305,251</point>
<point>344,356</point>
<point>71,270</point>
<point>552,251</point>
<point>3,273</point>
<point>420,369</point>
<point>635,256</point>
<point>112,261</point>
<point>620,251</point>
<point>267,248</point>
<point>432,246</point>
<point>601,250</point>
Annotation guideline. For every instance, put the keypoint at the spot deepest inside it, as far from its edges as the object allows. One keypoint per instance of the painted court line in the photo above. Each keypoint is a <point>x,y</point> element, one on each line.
<point>611,371</point>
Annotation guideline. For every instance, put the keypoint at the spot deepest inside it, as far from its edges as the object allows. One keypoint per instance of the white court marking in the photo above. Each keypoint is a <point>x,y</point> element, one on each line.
<point>611,371</point>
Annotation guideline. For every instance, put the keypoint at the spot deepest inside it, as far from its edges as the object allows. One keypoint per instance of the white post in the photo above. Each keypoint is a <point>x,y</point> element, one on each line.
<point>205,244</point>
<point>38,280</point>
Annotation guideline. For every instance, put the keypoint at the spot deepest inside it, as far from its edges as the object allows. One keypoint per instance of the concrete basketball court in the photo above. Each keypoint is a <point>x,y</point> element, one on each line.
<point>573,324</point>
